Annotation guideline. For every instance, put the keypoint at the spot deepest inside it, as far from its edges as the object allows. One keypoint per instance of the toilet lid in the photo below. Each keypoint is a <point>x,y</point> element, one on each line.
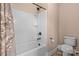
<point>67,48</point>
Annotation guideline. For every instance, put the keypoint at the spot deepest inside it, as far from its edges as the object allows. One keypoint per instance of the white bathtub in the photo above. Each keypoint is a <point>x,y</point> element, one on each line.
<point>39,51</point>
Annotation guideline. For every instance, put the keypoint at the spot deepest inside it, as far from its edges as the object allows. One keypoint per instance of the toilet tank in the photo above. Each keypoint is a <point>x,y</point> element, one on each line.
<point>70,40</point>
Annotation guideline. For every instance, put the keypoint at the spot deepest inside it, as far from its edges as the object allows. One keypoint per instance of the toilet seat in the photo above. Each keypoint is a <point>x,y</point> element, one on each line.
<point>66,48</point>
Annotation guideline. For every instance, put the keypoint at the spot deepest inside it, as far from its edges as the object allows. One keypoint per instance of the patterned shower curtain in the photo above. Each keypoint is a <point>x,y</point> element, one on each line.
<point>7,36</point>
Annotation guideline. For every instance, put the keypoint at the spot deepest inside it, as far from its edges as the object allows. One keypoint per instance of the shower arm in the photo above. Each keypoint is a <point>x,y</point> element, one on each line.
<point>39,6</point>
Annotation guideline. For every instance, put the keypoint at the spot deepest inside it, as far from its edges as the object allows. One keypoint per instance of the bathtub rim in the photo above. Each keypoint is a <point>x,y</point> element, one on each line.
<point>27,52</point>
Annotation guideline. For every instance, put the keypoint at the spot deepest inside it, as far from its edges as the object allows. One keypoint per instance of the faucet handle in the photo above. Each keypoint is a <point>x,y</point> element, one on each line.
<point>39,38</point>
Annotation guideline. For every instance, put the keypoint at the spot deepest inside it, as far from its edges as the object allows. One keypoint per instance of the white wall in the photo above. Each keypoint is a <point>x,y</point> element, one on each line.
<point>26,31</point>
<point>42,26</point>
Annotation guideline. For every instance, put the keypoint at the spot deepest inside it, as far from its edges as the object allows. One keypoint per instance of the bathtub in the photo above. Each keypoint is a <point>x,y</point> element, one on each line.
<point>39,51</point>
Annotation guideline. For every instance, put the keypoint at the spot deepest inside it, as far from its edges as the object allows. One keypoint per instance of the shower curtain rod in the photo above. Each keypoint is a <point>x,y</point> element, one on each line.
<point>39,6</point>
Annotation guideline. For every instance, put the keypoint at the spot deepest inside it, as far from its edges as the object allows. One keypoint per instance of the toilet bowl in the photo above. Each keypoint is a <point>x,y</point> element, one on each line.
<point>67,47</point>
<point>67,50</point>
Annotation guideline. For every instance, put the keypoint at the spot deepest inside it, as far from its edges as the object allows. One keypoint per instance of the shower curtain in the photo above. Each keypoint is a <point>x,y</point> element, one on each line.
<point>7,36</point>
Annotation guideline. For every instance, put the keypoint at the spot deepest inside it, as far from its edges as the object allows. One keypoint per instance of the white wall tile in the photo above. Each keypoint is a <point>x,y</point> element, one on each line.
<point>26,32</point>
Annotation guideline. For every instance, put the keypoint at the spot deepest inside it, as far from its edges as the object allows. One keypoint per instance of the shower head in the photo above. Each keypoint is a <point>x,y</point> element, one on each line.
<point>38,9</point>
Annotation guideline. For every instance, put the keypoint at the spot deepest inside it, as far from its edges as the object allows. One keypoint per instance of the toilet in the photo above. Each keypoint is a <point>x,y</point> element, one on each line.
<point>67,47</point>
